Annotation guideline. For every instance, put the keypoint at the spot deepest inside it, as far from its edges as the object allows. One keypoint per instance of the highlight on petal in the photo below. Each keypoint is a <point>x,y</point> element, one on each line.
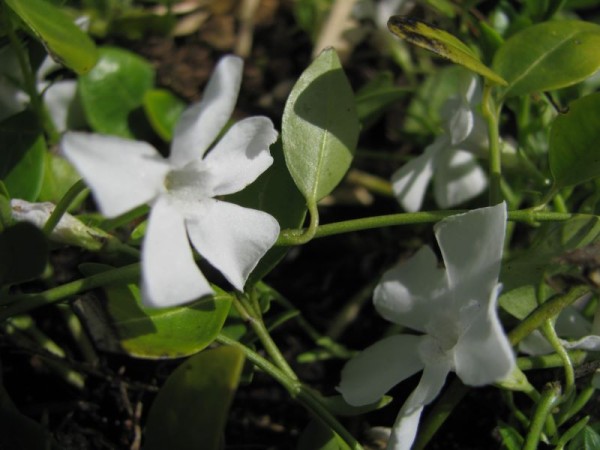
<point>58,98</point>
<point>378,368</point>
<point>458,178</point>
<point>406,425</point>
<point>232,238</point>
<point>409,183</point>
<point>241,155</point>
<point>409,293</point>
<point>202,122</point>
<point>170,275</point>
<point>460,123</point>
<point>121,173</point>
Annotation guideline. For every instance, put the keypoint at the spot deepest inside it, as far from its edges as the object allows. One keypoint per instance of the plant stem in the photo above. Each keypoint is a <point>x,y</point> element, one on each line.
<point>303,235</point>
<point>490,114</point>
<point>550,334</point>
<point>549,398</point>
<point>63,205</point>
<point>549,361</point>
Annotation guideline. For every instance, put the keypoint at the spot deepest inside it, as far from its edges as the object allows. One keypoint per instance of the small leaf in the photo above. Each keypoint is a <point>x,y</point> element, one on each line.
<point>190,411</point>
<point>317,436</point>
<point>574,137</point>
<point>163,110</point>
<point>23,253</point>
<point>441,43</point>
<point>511,439</point>
<point>588,439</point>
<point>320,127</point>
<point>63,40</point>
<point>114,89</point>
<point>549,56</point>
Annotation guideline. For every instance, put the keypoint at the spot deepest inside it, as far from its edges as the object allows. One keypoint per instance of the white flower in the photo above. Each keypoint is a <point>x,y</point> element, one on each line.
<point>181,190</point>
<point>449,160</point>
<point>454,309</point>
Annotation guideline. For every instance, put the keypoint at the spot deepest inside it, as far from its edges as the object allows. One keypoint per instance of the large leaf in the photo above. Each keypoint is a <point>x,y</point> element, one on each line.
<point>190,411</point>
<point>441,43</point>
<point>163,110</point>
<point>59,176</point>
<point>153,333</point>
<point>574,138</point>
<point>65,42</point>
<point>23,155</point>
<point>548,56</point>
<point>320,127</point>
<point>114,89</point>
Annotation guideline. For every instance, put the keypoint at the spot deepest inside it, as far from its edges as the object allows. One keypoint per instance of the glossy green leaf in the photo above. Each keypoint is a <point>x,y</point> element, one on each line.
<point>190,411</point>
<point>548,56</point>
<point>588,439</point>
<point>441,43</point>
<point>23,253</point>
<point>574,137</point>
<point>154,333</point>
<point>23,156</point>
<point>318,436</point>
<point>163,110</point>
<point>320,127</point>
<point>114,89</point>
<point>63,40</point>
<point>376,96</point>
<point>59,176</point>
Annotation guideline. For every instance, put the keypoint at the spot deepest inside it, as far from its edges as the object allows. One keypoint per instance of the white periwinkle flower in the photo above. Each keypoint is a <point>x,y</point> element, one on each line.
<point>454,309</point>
<point>181,191</point>
<point>449,159</point>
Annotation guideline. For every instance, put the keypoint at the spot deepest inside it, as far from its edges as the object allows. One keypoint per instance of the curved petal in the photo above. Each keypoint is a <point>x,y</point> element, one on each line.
<point>483,354</point>
<point>121,173</point>
<point>460,123</point>
<point>58,98</point>
<point>230,237</point>
<point>202,122</point>
<point>378,368</point>
<point>409,183</point>
<point>458,178</point>
<point>241,155</point>
<point>405,428</point>
<point>170,276</point>
<point>409,292</point>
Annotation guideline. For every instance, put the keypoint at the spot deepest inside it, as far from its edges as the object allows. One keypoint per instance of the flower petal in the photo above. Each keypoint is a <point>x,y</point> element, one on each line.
<point>483,354</point>
<point>170,276</point>
<point>202,122</point>
<point>121,173</point>
<point>405,428</point>
<point>458,178</point>
<point>241,155</point>
<point>378,368</point>
<point>460,121</point>
<point>58,98</point>
<point>230,237</point>
<point>408,292</point>
<point>409,183</point>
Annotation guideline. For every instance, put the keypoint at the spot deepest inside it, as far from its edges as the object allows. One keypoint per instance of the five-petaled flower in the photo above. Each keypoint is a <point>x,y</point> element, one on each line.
<point>449,159</point>
<point>181,191</point>
<point>454,309</point>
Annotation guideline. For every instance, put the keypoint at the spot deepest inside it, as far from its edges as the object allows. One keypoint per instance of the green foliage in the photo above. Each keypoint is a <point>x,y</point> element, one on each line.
<point>587,439</point>
<point>376,96</point>
<point>317,436</point>
<point>163,110</point>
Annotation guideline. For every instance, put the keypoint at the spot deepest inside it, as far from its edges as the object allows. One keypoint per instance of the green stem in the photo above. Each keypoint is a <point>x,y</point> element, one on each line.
<point>490,115</point>
<point>550,334</point>
<point>578,403</point>
<point>302,236</point>
<point>571,433</point>
<point>549,398</point>
<point>62,206</point>
<point>550,361</point>
<point>307,397</point>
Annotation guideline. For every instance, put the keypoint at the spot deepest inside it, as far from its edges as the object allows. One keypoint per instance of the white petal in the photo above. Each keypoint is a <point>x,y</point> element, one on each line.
<point>378,368</point>
<point>535,344</point>
<point>241,155</point>
<point>483,354</point>
<point>409,183</point>
<point>202,122</point>
<point>405,428</point>
<point>409,292</point>
<point>457,178</point>
<point>589,343</point>
<point>58,98</point>
<point>170,276</point>
<point>230,237</point>
<point>121,173</point>
<point>460,123</point>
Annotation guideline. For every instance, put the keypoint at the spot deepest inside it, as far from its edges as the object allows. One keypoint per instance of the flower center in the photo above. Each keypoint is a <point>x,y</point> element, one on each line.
<point>191,183</point>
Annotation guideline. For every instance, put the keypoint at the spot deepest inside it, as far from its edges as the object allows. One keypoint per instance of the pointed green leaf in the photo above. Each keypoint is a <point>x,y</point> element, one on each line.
<point>190,411</point>
<point>549,56</point>
<point>574,137</point>
<point>114,89</point>
<point>163,110</point>
<point>63,40</point>
<point>441,43</point>
<point>320,127</point>
<point>588,439</point>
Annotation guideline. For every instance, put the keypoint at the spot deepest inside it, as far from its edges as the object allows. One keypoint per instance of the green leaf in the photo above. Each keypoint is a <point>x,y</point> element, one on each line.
<point>63,40</point>
<point>163,110</point>
<point>588,439</point>
<point>23,253</point>
<point>153,333</point>
<point>441,43</point>
<point>574,137</point>
<point>59,176</point>
<point>317,436</point>
<point>548,56</point>
<point>376,96</point>
<point>114,89</point>
<point>511,439</point>
<point>190,411</point>
<point>338,406</point>
<point>23,156</point>
<point>320,127</point>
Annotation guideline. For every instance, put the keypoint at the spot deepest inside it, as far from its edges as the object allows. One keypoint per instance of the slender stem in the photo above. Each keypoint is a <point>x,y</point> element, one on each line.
<point>550,361</point>
<point>580,401</point>
<point>302,236</point>
<point>308,398</point>
<point>490,114</point>
<point>550,334</point>
<point>571,433</point>
<point>63,205</point>
<point>549,398</point>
